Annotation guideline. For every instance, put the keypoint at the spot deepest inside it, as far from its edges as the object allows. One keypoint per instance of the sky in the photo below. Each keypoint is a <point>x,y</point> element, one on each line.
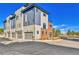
<point>63,16</point>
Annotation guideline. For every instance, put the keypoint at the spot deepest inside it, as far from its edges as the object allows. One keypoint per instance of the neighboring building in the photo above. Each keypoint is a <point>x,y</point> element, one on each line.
<point>27,23</point>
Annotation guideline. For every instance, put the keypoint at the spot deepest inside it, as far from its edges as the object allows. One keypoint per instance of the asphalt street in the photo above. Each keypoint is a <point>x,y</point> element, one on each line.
<point>36,48</point>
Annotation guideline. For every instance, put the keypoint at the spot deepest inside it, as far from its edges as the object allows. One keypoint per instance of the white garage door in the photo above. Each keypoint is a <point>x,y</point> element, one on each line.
<point>28,35</point>
<point>19,34</point>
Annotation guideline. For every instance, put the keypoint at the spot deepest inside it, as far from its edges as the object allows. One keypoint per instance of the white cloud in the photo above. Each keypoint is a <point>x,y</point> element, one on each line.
<point>62,29</point>
<point>55,26</point>
<point>59,26</point>
<point>63,25</point>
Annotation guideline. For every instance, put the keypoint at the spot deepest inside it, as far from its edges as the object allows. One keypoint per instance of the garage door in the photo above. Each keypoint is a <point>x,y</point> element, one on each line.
<point>13,35</point>
<point>8,34</point>
<point>28,35</point>
<point>19,34</point>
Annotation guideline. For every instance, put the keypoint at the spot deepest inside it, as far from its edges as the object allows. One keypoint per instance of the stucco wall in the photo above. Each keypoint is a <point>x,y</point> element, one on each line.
<point>44,19</point>
<point>19,19</point>
<point>37,35</point>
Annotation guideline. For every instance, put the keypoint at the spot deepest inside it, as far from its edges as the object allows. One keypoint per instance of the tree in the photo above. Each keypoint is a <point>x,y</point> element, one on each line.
<point>68,32</point>
<point>72,33</point>
<point>56,32</point>
<point>1,30</point>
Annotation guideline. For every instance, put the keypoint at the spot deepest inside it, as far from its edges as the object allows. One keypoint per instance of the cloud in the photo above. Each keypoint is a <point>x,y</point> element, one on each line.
<point>63,25</point>
<point>59,26</point>
<point>62,29</point>
<point>55,26</point>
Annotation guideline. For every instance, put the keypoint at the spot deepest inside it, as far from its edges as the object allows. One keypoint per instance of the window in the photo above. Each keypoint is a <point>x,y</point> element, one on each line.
<point>50,25</point>
<point>44,25</point>
<point>44,14</point>
<point>13,23</point>
<point>36,10</point>
<point>17,17</point>
<point>42,32</point>
<point>37,32</point>
<point>46,32</point>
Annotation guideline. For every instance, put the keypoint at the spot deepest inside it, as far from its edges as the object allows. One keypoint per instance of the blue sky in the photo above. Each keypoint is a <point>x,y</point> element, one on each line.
<point>63,16</point>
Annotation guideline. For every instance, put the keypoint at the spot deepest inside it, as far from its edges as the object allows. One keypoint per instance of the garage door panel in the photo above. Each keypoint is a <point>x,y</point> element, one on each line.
<point>28,35</point>
<point>19,34</point>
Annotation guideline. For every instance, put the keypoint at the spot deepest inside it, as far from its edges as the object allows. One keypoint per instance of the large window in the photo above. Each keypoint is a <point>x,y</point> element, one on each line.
<point>13,23</point>
<point>29,17</point>
<point>4,25</point>
<point>44,25</point>
<point>38,18</point>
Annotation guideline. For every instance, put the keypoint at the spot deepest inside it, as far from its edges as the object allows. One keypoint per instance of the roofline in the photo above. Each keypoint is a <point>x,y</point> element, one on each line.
<point>13,16</point>
<point>34,5</point>
<point>5,21</point>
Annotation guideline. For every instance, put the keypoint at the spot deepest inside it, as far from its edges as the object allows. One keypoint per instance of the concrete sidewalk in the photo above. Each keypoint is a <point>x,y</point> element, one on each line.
<point>65,43</point>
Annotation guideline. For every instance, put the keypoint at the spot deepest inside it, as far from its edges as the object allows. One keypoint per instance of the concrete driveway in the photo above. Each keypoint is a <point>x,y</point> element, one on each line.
<point>4,39</point>
<point>36,48</point>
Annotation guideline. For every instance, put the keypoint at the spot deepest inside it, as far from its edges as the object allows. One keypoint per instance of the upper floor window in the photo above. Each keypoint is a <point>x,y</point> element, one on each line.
<point>17,17</point>
<point>50,25</point>
<point>36,10</point>
<point>13,23</point>
<point>44,25</point>
<point>44,14</point>
<point>24,21</point>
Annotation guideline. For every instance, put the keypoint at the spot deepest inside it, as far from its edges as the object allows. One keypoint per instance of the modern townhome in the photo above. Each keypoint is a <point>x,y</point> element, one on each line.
<point>29,22</point>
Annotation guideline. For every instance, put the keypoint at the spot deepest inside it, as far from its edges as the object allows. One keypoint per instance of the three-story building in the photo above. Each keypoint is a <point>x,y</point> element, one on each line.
<point>29,22</point>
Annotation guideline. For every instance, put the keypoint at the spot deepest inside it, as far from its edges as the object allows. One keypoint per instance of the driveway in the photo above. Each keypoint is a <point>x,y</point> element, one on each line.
<point>4,39</point>
<point>36,48</point>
